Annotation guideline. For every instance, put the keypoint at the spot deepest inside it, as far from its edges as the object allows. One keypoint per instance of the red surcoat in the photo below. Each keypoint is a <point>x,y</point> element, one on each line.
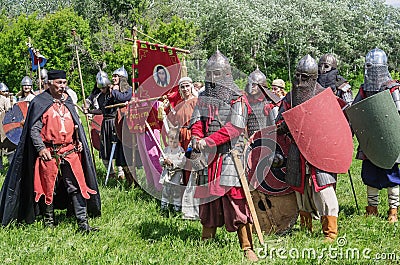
<point>58,129</point>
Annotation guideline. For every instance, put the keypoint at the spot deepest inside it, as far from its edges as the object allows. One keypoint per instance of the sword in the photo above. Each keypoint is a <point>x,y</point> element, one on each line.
<point>354,192</point>
<point>110,162</point>
<point>249,199</point>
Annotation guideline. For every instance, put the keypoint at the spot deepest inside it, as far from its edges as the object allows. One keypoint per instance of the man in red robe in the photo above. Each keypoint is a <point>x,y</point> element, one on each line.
<point>52,163</point>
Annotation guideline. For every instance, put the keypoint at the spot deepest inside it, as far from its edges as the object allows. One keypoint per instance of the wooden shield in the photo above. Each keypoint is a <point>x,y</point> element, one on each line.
<point>14,120</point>
<point>376,123</point>
<point>4,142</point>
<point>276,214</point>
<point>321,132</point>
<point>259,152</point>
<point>119,121</point>
<point>95,130</point>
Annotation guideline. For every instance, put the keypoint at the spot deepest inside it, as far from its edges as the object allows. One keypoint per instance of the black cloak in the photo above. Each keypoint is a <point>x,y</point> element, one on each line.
<point>17,194</point>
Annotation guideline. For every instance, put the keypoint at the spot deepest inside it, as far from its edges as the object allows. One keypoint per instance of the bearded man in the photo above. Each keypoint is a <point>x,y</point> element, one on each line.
<point>328,76</point>
<point>52,166</point>
<point>314,187</point>
<point>220,118</point>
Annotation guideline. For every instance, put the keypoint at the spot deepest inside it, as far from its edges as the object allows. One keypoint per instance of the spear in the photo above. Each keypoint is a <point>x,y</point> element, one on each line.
<point>73,32</point>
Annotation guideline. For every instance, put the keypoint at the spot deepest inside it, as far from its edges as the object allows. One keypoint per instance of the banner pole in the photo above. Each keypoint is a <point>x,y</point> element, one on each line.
<point>134,136</point>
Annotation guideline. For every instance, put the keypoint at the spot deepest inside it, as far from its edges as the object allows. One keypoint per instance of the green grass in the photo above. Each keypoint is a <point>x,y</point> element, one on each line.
<point>133,232</point>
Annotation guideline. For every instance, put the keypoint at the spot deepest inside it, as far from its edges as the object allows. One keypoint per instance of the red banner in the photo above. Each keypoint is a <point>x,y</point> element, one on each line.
<point>158,73</point>
<point>158,70</point>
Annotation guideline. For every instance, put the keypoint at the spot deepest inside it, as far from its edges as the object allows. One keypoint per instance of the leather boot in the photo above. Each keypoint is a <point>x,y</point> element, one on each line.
<point>329,227</point>
<point>208,233</point>
<point>130,180</point>
<point>305,220</point>
<point>79,204</point>
<point>48,215</point>
<point>371,210</point>
<point>392,215</point>
<point>246,242</point>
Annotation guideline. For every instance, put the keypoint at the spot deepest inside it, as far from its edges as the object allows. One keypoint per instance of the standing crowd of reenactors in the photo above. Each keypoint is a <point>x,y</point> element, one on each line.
<point>208,131</point>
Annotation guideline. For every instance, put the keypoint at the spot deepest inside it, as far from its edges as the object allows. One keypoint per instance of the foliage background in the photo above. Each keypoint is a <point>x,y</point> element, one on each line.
<point>271,34</point>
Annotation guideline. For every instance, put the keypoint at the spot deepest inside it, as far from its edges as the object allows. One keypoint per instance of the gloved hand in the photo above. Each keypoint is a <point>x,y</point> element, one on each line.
<point>277,160</point>
<point>201,144</point>
<point>282,128</point>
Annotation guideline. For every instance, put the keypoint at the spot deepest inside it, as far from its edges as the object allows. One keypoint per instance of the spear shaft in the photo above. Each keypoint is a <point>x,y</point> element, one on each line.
<point>73,32</point>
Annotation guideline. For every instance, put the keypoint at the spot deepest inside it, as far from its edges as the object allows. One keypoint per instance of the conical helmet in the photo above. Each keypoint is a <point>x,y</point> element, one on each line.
<point>256,77</point>
<point>217,68</point>
<point>26,81</point>
<point>3,87</point>
<point>376,57</point>
<point>102,79</point>
<point>44,76</point>
<point>121,72</point>
<point>307,65</point>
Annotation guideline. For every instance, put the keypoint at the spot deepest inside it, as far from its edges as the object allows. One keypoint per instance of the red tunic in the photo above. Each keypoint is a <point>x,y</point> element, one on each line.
<point>58,129</point>
<point>181,117</point>
<point>223,135</point>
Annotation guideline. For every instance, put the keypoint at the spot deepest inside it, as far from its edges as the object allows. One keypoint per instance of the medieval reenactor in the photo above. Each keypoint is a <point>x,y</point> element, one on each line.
<point>5,100</point>
<point>111,146</point>
<point>314,186</point>
<point>44,78</point>
<point>328,76</point>
<point>220,118</point>
<point>376,80</point>
<point>278,87</point>
<point>5,105</point>
<point>182,112</point>
<point>173,162</point>
<point>68,90</point>
<point>26,93</point>
<point>270,190</point>
<point>180,115</point>
<point>263,102</point>
<point>52,165</point>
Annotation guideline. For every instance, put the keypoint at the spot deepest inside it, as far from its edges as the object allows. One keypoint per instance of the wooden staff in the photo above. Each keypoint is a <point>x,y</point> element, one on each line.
<point>123,104</point>
<point>73,32</point>
<point>249,199</point>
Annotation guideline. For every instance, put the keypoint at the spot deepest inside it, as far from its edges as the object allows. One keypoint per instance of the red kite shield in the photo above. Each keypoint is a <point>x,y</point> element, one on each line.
<point>321,132</point>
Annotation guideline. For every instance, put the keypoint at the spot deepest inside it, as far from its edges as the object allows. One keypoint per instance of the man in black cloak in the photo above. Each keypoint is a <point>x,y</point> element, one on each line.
<point>52,159</point>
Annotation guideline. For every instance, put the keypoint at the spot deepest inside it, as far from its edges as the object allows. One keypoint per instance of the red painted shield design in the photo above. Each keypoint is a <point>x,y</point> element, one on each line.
<point>322,133</point>
<point>259,153</point>
<point>95,129</point>
<point>14,120</point>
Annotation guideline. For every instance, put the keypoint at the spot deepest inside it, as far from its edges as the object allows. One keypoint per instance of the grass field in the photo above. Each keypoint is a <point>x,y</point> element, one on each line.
<point>133,232</point>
